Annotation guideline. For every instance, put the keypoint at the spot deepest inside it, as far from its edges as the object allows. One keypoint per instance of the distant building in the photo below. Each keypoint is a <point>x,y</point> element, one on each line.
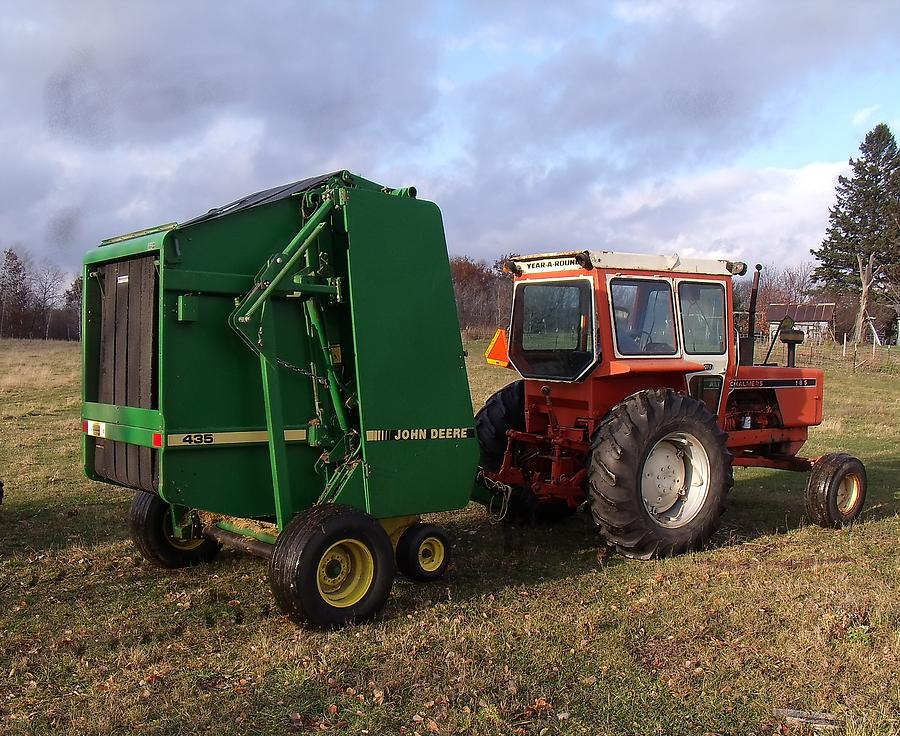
<point>816,320</point>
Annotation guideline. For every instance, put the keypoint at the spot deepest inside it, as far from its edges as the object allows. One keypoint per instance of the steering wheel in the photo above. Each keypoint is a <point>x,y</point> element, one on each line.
<point>642,338</point>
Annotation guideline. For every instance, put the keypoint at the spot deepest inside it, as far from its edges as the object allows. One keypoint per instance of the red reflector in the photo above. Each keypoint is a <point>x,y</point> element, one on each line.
<point>157,439</point>
<point>84,426</point>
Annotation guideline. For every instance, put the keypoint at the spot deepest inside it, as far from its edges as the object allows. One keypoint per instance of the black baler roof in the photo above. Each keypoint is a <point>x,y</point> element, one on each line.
<point>264,197</point>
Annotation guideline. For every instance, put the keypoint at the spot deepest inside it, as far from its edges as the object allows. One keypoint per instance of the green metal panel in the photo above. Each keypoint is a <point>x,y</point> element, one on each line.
<point>410,364</point>
<point>333,374</point>
<point>145,418</point>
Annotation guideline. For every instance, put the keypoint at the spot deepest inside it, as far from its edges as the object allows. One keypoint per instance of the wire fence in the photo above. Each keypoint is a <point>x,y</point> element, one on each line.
<point>868,358</point>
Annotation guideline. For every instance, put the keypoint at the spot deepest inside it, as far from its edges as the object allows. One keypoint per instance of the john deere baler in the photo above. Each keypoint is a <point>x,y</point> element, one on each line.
<point>284,373</point>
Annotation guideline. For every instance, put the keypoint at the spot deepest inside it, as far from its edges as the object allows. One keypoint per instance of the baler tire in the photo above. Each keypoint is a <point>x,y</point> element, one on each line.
<point>423,552</point>
<point>310,543</point>
<point>626,439</point>
<point>148,521</point>
<point>504,410</point>
<point>836,490</point>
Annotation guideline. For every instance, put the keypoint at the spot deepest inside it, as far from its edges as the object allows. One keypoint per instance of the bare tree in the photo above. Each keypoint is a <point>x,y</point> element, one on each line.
<point>795,282</point>
<point>48,283</point>
<point>867,274</point>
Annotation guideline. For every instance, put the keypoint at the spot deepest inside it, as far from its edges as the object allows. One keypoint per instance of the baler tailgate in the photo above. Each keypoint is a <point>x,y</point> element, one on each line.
<point>126,373</point>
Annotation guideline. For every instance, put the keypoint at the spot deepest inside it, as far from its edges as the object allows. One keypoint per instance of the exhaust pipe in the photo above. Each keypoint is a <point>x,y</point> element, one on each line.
<point>748,343</point>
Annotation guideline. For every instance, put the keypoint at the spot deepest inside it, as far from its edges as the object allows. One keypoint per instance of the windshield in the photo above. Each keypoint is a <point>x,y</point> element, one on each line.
<point>644,318</point>
<point>552,332</point>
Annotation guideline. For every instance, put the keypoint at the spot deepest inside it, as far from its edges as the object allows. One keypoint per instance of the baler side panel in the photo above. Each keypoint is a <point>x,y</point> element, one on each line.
<point>212,384</point>
<point>417,426</point>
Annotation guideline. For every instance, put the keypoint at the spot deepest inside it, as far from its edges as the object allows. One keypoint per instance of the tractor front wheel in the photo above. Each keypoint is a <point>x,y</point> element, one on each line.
<point>150,525</point>
<point>332,565</point>
<point>423,552</point>
<point>658,471</point>
<point>836,490</point>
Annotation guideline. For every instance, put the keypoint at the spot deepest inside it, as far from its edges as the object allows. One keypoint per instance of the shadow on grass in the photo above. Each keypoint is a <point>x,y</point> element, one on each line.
<point>26,529</point>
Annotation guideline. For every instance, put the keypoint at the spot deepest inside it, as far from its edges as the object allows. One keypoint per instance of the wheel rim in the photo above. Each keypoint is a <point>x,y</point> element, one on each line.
<point>675,479</point>
<point>848,493</point>
<point>345,573</point>
<point>169,535</point>
<point>431,554</point>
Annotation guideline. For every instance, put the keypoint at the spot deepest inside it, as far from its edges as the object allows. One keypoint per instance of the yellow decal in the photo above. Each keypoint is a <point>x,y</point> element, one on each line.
<point>192,439</point>
<point>430,433</point>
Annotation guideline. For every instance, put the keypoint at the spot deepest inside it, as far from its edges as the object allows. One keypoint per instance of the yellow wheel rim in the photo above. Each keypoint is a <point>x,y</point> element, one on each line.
<point>431,554</point>
<point>185,544</point>
<point>848,493</point>
<point>345,573</point>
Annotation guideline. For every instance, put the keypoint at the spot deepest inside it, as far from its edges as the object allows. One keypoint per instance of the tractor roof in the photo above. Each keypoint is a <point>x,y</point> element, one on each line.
<point>628,262</point>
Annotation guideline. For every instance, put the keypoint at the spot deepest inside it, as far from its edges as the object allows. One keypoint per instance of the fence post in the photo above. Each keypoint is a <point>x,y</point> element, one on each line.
<point>844,354</point>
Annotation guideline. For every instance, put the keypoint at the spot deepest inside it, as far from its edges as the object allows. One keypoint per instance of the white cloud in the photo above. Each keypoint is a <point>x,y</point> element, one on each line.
<point>861,116</point>
<point>772,215</point>
<point>709,13</point>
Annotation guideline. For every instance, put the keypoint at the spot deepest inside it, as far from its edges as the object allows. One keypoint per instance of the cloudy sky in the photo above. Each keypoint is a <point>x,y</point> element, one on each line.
<point>654,125</point>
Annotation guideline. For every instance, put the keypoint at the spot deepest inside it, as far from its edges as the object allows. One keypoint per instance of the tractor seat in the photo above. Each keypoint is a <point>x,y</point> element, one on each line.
<point>658,348</point>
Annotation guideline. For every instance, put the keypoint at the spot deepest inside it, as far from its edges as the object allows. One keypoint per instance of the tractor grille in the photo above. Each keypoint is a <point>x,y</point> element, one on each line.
<point>127,374</point>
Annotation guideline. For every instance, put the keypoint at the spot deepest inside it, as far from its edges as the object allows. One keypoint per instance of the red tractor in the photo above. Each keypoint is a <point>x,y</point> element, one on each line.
<point>639,397</point>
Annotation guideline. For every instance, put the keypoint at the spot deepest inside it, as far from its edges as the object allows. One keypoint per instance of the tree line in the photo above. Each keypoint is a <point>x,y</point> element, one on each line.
<point>37,301</point>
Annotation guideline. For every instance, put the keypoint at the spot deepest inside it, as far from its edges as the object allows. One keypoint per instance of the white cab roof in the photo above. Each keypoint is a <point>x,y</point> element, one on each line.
<point>626,262</point>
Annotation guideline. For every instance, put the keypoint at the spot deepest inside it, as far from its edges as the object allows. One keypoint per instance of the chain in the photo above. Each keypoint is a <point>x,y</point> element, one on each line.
<point>504,490</point>
<point>309,374</point>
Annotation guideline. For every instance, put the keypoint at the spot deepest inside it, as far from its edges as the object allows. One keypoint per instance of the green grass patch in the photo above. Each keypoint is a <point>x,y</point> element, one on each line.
<point>533,630</point>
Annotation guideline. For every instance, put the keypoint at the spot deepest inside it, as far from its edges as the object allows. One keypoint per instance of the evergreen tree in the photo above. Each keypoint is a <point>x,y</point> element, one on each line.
<point>14,294</point>
<point>865,219</point>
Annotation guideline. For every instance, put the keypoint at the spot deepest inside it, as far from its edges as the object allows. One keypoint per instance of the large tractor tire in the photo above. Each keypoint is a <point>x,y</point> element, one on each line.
<point>659,472</point>
<point>505,410</point>
<point>150,525</point>
<point>836,490</point>
<point>332,565</point>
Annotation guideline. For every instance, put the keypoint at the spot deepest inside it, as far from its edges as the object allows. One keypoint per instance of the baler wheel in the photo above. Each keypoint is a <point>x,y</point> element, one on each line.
<point>423,552</point>
<point>836,490</point>
<point>332,565</point>
<point>150,525</point>
<point>658,472</point>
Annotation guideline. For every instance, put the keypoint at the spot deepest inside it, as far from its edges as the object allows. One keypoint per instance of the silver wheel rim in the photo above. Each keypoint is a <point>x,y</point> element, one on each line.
<point>675,479</point>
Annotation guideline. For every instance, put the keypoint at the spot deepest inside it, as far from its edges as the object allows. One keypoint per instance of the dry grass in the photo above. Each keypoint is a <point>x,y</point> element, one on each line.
<point>532,631</point>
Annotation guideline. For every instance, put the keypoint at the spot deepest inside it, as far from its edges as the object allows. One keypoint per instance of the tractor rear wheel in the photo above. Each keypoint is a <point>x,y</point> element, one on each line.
<point>150,526</point>
<point>423,552</point>
<point>332,565</point>
<point>503,411</point>
<point>836,490</point>
<point>658,474</point>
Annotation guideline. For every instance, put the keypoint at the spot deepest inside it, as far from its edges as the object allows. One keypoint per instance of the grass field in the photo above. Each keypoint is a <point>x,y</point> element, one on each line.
<point>533,630</point>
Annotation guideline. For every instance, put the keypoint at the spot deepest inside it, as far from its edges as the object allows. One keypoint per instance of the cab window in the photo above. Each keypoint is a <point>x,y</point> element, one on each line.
<point>644,317</point>
<point>702,317</point>
<point>553,329</point>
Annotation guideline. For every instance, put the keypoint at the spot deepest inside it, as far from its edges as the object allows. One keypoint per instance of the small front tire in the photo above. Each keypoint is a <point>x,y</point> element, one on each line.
<point>150,526</point>
<point>836,491</point>
<point>423,552</point>
<point>332,565</point>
